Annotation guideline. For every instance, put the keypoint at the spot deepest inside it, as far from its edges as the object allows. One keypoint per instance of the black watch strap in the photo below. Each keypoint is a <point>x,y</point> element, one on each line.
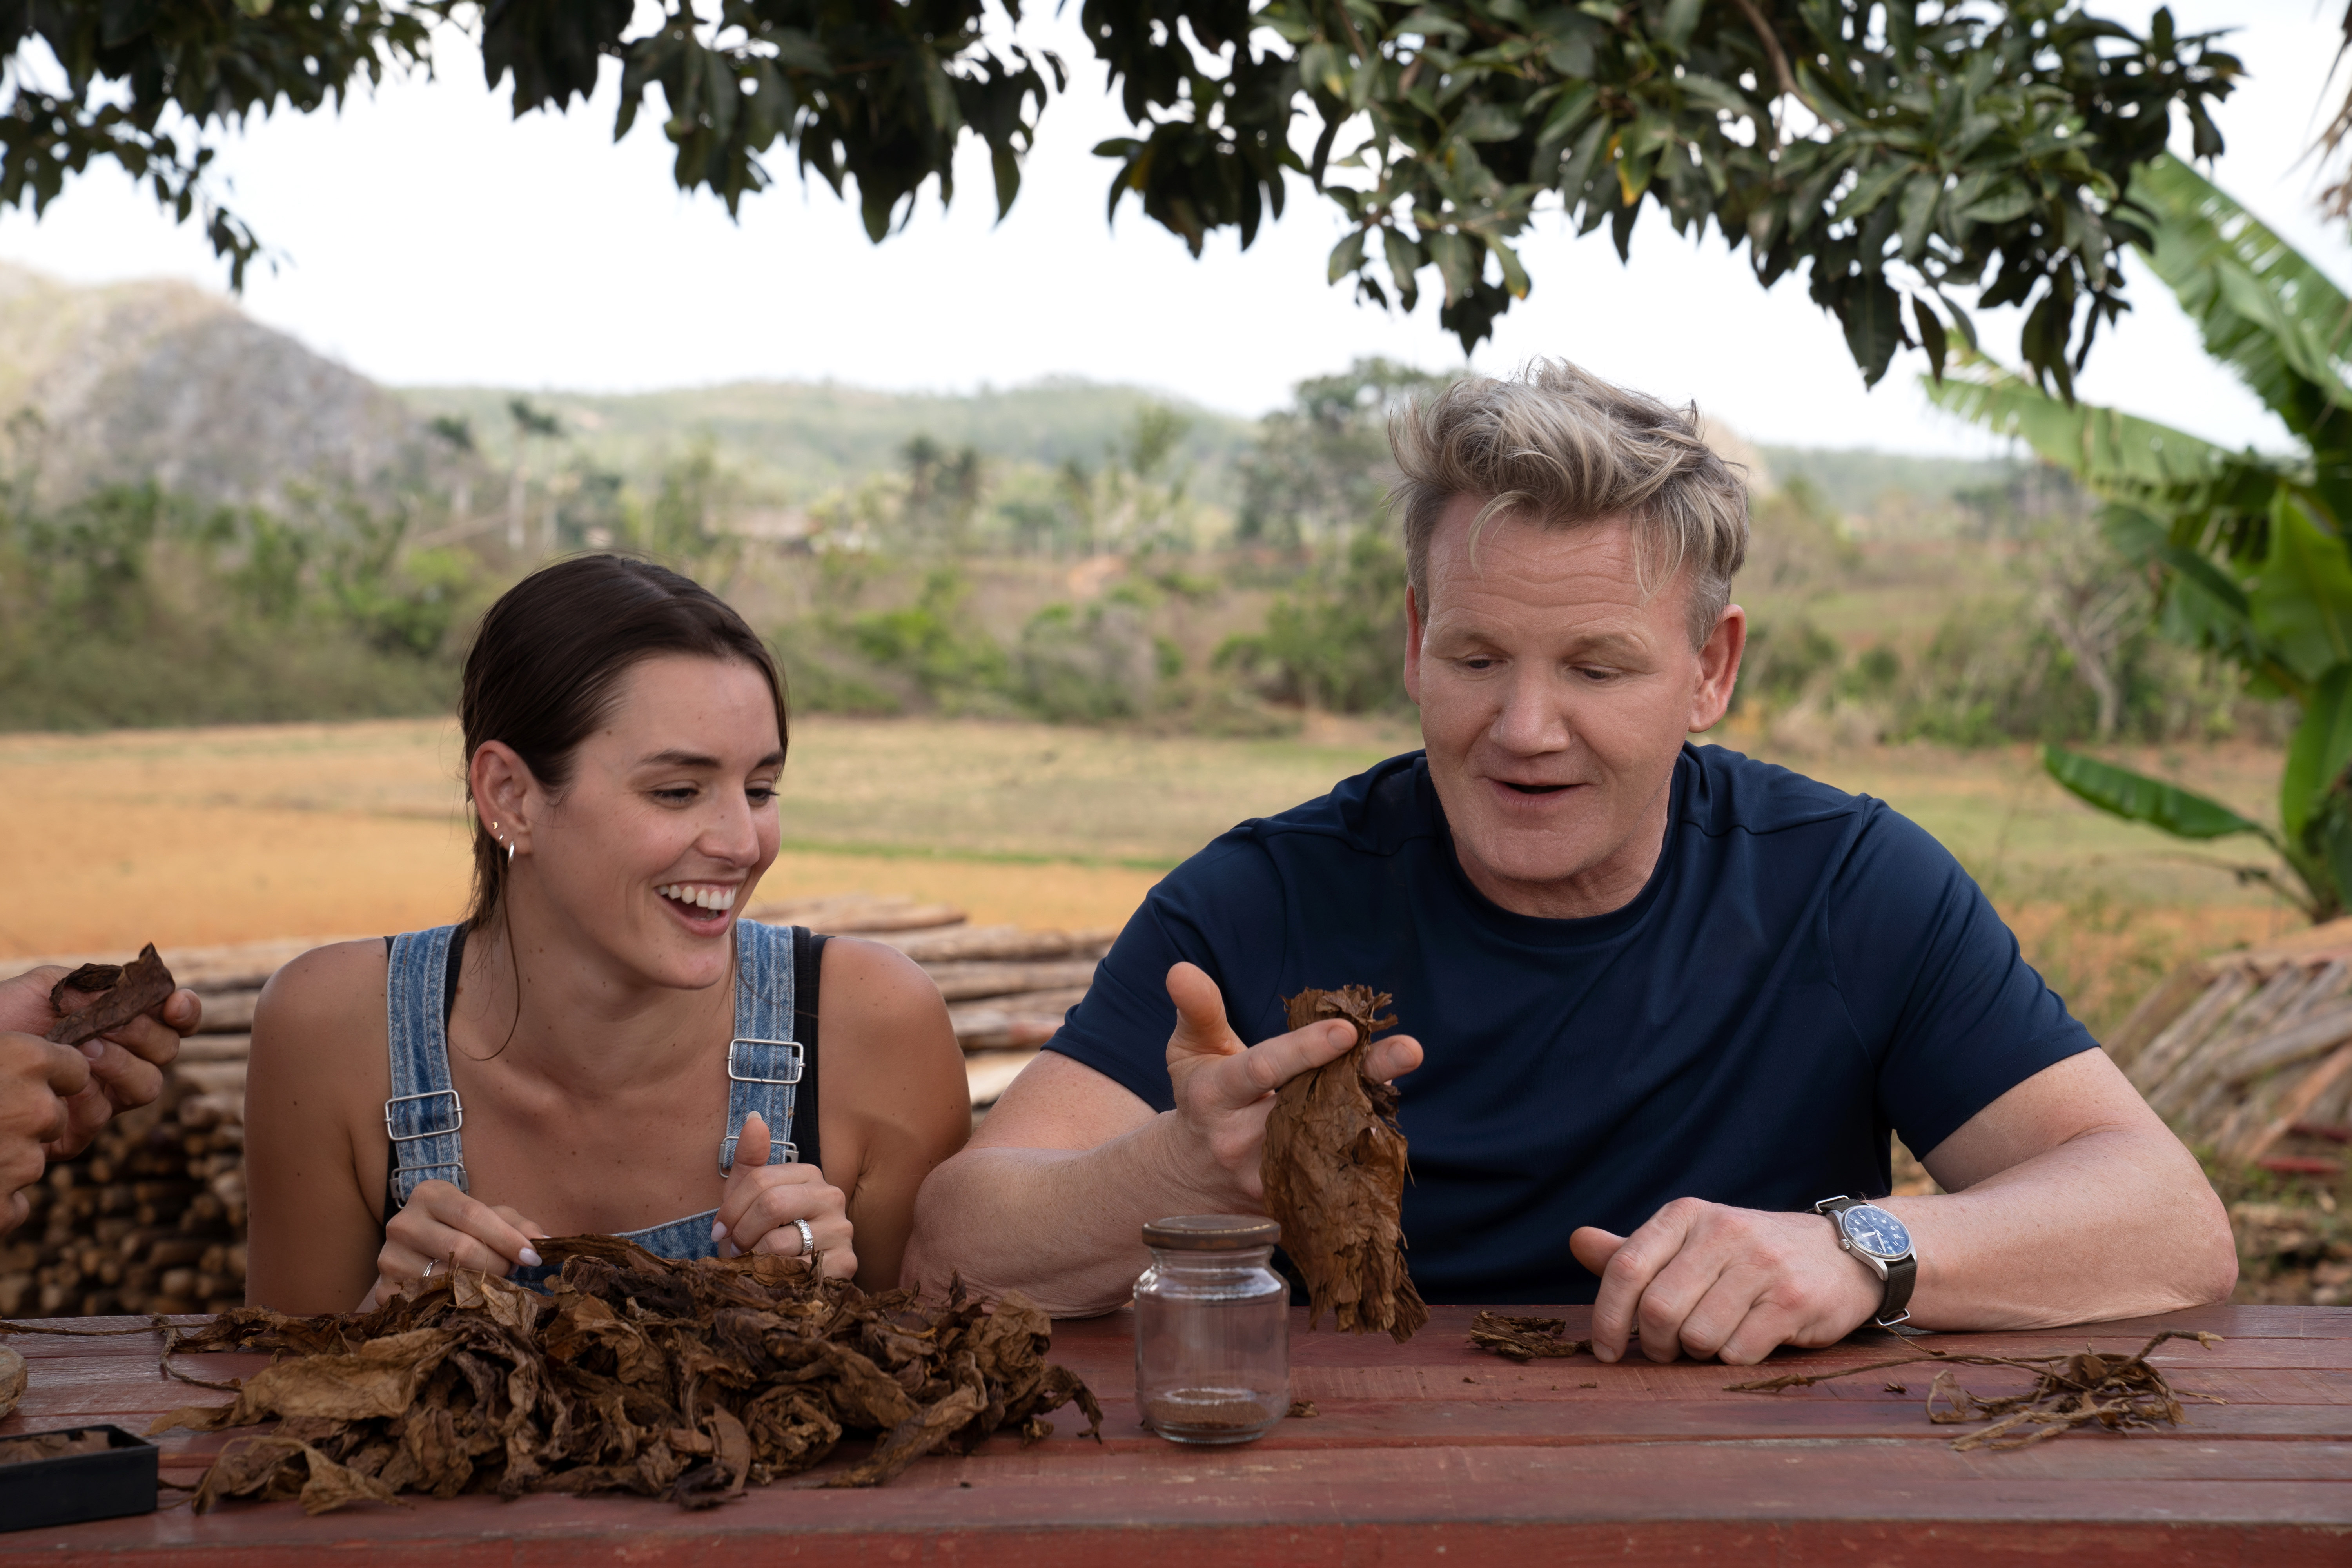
<point>1901,1275</point>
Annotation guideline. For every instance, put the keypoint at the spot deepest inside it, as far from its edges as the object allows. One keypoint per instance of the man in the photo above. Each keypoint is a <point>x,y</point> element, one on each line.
<point>54,1099</point>
<point>1672,999</point>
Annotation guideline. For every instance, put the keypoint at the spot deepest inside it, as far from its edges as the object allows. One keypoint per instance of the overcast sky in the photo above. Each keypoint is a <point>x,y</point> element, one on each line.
<point>425,237</point>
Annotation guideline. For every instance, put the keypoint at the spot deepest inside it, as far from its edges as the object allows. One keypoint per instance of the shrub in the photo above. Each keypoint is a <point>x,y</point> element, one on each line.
<point>1337,641</point>
<point>1781,662</point>
<point>1087,666</point>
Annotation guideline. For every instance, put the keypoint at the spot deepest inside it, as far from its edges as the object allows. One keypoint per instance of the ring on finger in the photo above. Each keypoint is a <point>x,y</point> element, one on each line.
<point>808,1238</point>
<point>428,1268</point>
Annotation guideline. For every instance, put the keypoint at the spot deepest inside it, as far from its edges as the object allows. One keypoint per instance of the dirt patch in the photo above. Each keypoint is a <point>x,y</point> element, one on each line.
<point>246,833</point>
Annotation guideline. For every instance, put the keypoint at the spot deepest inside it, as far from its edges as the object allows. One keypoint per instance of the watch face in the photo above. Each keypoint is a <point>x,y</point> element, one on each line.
<point>1875,1231</point>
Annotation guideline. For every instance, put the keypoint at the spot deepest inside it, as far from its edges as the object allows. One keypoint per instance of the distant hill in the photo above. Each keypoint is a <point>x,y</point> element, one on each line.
<point>161,380</point>
<point>796,440</point>
<point>1861,483</point>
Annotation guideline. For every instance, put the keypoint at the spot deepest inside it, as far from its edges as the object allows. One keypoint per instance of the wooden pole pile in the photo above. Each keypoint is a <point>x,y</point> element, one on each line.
<point>2243,1052</point>
<point>151,1219</point>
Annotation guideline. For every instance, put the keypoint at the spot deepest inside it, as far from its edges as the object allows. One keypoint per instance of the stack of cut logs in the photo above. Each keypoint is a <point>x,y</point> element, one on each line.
<point>151,1217</point>
<point>2250,1054</point>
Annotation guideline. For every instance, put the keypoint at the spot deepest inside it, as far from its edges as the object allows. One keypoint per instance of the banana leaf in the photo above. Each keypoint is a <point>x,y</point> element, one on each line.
<point>2135,797</point>
<point>2265,311</point>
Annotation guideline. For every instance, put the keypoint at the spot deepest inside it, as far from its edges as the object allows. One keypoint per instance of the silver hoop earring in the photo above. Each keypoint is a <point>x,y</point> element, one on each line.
<point>510,852</point>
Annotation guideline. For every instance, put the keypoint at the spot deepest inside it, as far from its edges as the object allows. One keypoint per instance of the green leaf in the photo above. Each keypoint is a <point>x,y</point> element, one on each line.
<point>1930,328</point>
<point>2135,797</point>
<point>1347,256</point>
<point>1681,19</point>
<point>1872,314</point>
<point>1918,207</point>
<point>1489,123</point>
<point>2262,308</point>
<point>1456,263</point>
<point>1405,259</point>
<point>2317,756</point>
<point>2302,599</point>
<point>2107,450</point>
<point>1515,276</point>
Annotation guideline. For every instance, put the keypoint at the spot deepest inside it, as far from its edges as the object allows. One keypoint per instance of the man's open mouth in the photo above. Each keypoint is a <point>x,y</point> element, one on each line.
<point>1532,788</point>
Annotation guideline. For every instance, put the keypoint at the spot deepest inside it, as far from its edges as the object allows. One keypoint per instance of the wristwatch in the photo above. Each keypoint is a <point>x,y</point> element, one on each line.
<point>1882,1241</point>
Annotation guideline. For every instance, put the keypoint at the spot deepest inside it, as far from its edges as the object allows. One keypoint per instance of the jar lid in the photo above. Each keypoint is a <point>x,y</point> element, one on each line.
<point>1212,1232</point>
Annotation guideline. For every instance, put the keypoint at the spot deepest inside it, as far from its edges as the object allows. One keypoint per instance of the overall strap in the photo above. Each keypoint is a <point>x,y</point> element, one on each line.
<point>763,1060</point>
<point>808,975</point>
<point>424,1114</point>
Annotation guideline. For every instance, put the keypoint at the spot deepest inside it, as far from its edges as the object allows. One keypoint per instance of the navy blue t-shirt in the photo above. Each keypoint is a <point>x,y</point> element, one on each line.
<point>1804,970</point>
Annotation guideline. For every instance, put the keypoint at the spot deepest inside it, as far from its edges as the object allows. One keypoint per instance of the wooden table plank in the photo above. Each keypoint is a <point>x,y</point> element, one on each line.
<point>1429,1452</point>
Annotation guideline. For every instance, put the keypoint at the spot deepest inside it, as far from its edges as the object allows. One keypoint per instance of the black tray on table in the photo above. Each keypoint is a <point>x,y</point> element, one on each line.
<point>72,1488</point>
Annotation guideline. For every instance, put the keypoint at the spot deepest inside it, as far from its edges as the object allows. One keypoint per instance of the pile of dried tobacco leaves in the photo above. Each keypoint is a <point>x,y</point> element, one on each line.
<point>631,1373</point>
<point>2119,1393</point>
<point>1523,1338</point>
<point>1334,1172</point>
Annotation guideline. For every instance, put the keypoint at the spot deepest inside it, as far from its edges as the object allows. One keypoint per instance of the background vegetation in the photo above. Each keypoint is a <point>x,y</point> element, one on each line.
<point>1082,555</point>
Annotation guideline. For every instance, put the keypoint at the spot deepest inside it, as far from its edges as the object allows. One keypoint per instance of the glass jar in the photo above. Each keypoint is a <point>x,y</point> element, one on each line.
<point>1212,1329</point>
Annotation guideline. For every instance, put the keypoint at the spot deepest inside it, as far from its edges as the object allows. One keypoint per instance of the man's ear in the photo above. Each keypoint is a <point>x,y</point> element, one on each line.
<point>1412,630</point>
<point>1718,668</point>
<point>503,789</point>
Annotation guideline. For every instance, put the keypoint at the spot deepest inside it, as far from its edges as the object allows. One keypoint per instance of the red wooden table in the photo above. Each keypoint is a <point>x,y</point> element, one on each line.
<point>1426,1452</point>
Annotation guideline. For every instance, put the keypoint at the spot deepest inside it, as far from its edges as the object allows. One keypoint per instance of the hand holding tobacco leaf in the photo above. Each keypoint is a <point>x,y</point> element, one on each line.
<point>137,1010</point>
<point>1334,1172</point>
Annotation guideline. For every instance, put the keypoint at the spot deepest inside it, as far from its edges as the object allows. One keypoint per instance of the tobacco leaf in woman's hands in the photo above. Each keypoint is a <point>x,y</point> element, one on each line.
<point>1334,1172</point>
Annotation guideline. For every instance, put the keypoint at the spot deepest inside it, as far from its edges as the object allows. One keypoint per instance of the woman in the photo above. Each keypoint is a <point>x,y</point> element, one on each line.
<point>602,1046</point>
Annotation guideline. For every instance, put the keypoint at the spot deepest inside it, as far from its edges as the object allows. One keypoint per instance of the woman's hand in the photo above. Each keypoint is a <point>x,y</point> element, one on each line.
<point>762,1200</point>
<point>441,1228</point>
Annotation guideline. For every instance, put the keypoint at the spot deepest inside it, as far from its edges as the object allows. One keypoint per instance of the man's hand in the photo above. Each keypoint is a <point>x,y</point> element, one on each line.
<point>125,1067</point>
<point>38,1081</point>
<point>1225,1089</point>
<point>1707,1280</point>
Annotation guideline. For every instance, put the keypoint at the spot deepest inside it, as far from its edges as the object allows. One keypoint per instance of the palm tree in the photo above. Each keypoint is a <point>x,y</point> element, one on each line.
<point>2248,550</point>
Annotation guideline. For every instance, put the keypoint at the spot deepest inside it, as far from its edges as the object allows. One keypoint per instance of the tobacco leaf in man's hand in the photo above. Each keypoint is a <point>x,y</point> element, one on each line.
<point>124,992</point>
<point>1334,1174</point>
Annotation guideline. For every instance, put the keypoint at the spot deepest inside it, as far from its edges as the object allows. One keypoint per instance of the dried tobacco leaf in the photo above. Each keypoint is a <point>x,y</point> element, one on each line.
<point>1524,1339</point>
<point>2121,1394</point>
<point>34,1447</point>
<point>124,992</point>
<point>276,1467</point>
<point>1334,1171</point>
<point>12,1379</point>
<point>685,1380</point>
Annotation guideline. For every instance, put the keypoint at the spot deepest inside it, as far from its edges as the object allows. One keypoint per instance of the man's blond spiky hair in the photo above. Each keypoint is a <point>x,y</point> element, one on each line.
<point>1562,448</point>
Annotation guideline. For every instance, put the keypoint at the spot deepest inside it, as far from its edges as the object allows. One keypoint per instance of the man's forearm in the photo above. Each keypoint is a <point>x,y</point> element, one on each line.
<point>2113,1224</point>
<point>1063,1227</point>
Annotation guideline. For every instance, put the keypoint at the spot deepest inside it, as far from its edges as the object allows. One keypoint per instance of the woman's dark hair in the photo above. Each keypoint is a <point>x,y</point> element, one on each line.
<point>548,659</point>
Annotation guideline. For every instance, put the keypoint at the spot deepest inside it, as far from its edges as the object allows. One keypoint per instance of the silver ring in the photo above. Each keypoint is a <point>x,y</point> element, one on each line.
<point>429,1270</point>
<point>808,1237</point>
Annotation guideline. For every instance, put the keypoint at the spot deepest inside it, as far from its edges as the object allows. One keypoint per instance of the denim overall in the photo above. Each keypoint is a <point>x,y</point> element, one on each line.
<point>424,1114</point>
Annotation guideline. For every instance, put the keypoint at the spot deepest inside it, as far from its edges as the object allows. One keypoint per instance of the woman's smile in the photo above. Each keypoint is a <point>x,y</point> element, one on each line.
<point>704,908</point>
